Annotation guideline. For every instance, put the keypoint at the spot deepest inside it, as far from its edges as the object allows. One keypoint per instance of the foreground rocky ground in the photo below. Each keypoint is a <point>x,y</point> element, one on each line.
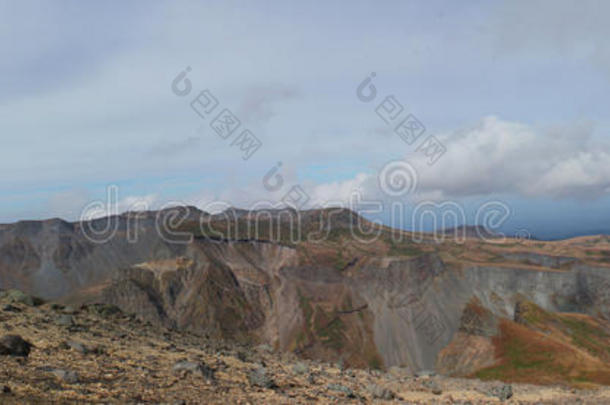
<point>96,354</point>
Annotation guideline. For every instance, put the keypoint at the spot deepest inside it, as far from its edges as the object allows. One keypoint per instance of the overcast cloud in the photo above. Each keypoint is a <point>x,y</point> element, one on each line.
<point>518,92</point>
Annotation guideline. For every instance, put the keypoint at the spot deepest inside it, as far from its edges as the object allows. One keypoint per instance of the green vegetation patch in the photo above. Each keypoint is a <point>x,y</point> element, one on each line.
<point>587,336</point>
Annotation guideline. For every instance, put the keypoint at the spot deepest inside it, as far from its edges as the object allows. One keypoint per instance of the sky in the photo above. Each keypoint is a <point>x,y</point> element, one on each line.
<point>515,93</point>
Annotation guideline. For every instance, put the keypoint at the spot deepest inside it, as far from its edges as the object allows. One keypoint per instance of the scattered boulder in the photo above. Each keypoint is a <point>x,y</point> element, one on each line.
<point>70,310</point>
<point>77,347</point>
<point>399,372</point>
<point>311,379</point>
<point>433,386</point>
<point>98,349</point>
<point>300,368</point>
<point>264,348</point>
<point>104,310</point>
<point>259,378</point>
<point>14,345</point>
<point>16,296</point>
<point>65,320</point>
<point>425,373</point>
<point>10,308</point>
<point>243,356</point>
<point>342,388</point>
<point>378,392</point>
<point>70,377</point>
<point>195,367</point>
<point>502,392</point>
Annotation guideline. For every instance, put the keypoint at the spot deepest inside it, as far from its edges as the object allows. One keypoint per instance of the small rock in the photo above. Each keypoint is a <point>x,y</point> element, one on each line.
<point>195,367</point>
<point>311,379</point>
<point>264,348</point>
<point>70,310</point>
<point>378,392</point>
<point>425,373</point>
<point>65,320</point>
<point>14,345</point>
<point>104,310</point>
<point>432,386</point>
<point>98,349</point>
<point>242,356</point>
<point>502,392</point>
<point>10,308</point>
<point>22,298</point>
<point>67,376</point>
<point>78,347</point>
<point>259,378</point>
<point>300,368</point>
<point>398,372</point>
<point>342,388</point>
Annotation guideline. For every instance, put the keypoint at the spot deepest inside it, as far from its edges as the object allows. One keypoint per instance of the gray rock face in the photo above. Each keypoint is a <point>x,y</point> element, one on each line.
<point>412,300</point>
<point>47,258</point>
<point>579,289</point>
<point>552,262</point>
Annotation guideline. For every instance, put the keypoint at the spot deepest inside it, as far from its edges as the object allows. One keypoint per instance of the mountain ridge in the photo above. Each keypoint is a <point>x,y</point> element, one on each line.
<point>346,289</point>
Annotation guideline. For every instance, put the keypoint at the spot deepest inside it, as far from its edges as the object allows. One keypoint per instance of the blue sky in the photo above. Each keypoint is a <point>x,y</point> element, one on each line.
<point>518,92</point>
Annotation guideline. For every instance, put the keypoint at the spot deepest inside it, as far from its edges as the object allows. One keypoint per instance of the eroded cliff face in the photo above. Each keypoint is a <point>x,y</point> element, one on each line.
<point>377,304</point>
<point>221,289</point>
<point>254,291</point>
<point>54,259</point>
<point>377,312</point>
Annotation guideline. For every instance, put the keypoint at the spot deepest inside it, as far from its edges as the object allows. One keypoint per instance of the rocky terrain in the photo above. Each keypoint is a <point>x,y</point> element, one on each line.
<point>328,286</point>
<point>98,354</point>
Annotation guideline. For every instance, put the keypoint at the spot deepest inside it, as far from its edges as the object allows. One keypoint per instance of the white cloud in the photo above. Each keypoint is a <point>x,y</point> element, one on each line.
<point>497,156</point>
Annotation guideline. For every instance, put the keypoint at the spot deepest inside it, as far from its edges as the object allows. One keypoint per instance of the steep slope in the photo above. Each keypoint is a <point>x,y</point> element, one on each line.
<point>537,347</point>
<point>324,284</point>
<point>55,258</point>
